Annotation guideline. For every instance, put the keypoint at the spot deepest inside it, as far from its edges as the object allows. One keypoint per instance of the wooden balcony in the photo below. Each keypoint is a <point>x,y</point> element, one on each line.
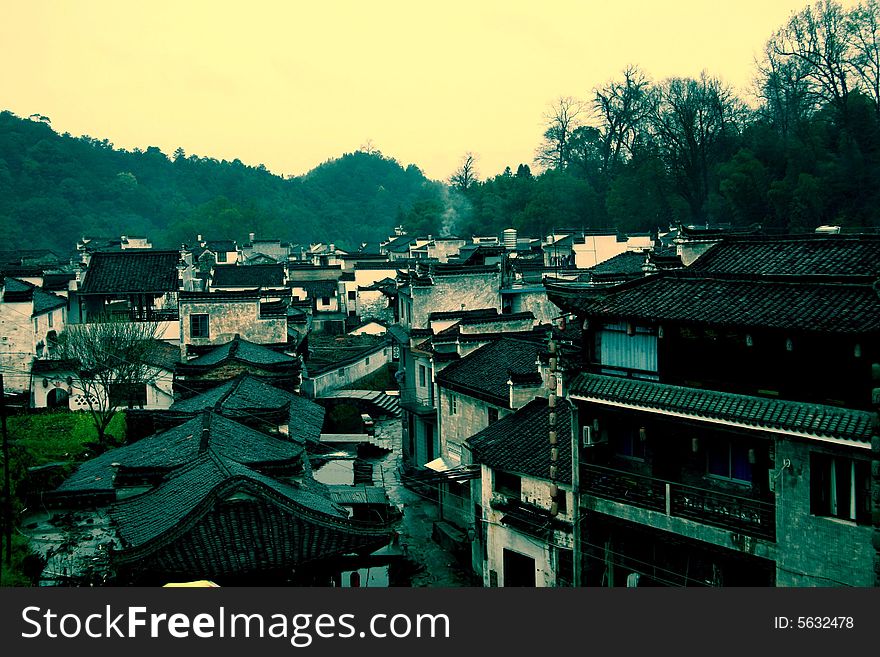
<point>743,515</point>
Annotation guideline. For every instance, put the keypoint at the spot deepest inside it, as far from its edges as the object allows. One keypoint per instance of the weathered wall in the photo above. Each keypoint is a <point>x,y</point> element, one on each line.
<point>374,305</point>
<point>500,537</point>
<point>228,318</point>
<point>314,386</point>
<point>458,292</point>
<point>814,550</point>
<point>536,302</point>
<point>160,393</point>
<point>18,340</point>
<point>471,416</point>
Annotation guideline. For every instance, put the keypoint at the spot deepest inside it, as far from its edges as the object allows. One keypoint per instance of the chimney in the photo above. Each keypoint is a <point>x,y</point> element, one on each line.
<point>251,237</point>
<point>199,238</point>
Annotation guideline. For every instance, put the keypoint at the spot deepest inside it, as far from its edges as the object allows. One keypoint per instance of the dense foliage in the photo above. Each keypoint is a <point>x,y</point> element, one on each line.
<point>56,188</point>
<point>637,154</point>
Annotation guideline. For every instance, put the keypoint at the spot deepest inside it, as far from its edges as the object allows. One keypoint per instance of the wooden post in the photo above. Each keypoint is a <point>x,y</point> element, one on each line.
<point>7,488</point>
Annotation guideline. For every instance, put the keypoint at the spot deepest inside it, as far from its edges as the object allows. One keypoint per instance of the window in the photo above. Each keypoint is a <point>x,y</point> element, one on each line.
<point>493,415</point>
<point>454,450</point>
<point>564,567</point>
<point>51,319</point>
<point>341,372</point>
<point>198,326</point>
<point>632,443</point>
<point>422,376</point>
<point>453,405</point>
<point>507,484</point>
<point>36,324</point>
<point>221,256</point>
<point>325,301</point>
<point>562,501</point>
<point>627,348</point>
<point>367,361</point>
<point>728,460</point>
<point>840,487</point>
<point>352,295</point>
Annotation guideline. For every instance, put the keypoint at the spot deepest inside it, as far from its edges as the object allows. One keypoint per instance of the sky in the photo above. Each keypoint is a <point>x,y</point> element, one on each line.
<point>290,84</point>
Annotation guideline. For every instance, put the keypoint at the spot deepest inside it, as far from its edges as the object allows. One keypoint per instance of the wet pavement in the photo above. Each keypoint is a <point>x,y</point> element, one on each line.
<point>434,566</point>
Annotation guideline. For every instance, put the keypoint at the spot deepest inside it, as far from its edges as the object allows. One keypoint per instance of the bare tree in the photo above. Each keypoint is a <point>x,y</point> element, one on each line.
<point>692,120</point>
<point>819,37</point>
<point>864,28</point>
<point>783,90</point>
<point>624,108</point>
<point>466,173</point>
<point>109,357</point>
<point>561,120</point>
<point>369,147</point>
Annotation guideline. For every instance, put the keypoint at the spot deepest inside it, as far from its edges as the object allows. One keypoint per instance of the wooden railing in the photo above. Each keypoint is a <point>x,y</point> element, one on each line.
<point>411,399</point>
<point>736,513</point>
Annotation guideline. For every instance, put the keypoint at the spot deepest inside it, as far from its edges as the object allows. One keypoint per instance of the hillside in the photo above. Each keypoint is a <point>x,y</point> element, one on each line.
<point>55,188</point>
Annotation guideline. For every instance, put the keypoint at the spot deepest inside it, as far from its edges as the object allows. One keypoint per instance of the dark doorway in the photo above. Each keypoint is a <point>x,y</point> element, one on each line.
<point>519,570</point>
<point>58,398</point>
<point>429,442</point>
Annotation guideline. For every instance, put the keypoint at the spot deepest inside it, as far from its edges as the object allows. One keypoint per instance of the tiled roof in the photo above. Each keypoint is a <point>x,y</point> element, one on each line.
<point>57,281</point>
<point>399,244</point>
<point>15,290</point>
<point>220,245</point>
<point>329,352</point>
<point>148,516</point>
<point>399,334</point>
<point>179,446</point>
<point>248,276</point>
<point>386,284</point>
<point>242,392</point>
<point>244,351</point>
<point>520,442</point>
<point>628,263</point>
<point>46,365</point>
<point>812,304</point>
<point>246,394</point>
<point>498,319</point>
<point>485,372</point>
<point>849,255</point>
<point>810,420</point>
<point>316,289</point>
<point>165,355</point>
<point>461,314</point>
<point>131,272</point>
<point>28,256</point>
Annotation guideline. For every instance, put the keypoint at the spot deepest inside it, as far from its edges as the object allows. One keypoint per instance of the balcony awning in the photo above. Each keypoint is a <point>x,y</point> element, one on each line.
<point>441,465</point>
<point>442,470</point>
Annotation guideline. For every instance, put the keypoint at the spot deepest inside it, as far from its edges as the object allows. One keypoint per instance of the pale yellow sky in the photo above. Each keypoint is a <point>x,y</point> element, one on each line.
<point>291,84</point>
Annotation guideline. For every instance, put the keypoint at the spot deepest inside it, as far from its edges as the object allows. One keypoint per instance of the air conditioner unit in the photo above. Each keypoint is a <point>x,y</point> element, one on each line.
<point>591,437</point>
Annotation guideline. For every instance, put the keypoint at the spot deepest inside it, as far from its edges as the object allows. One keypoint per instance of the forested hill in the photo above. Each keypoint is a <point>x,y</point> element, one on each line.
<point>56,188</point>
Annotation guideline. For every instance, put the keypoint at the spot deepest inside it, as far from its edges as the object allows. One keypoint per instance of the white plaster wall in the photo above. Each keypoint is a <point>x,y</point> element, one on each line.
<point>333,380</point>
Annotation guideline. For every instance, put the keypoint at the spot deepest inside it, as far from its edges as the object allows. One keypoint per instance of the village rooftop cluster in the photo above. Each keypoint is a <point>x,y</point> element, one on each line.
<point>691,407</point>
